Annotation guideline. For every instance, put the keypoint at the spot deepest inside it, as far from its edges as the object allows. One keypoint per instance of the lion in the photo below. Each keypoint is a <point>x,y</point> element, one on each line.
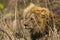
<point>38,20</point>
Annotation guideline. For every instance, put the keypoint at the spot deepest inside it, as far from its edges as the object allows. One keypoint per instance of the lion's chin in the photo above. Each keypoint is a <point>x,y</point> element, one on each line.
<point>28,29</point>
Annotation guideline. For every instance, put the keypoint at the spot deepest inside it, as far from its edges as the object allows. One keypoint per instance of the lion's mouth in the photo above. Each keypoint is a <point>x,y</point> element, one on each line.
<point>26,27</point>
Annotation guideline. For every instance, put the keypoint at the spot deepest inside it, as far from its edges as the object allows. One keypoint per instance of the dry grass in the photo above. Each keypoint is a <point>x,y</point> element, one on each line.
<point>14,28</point>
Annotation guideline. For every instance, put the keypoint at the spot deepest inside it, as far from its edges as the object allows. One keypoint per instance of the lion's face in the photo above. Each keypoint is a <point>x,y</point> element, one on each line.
<point>35,18</point>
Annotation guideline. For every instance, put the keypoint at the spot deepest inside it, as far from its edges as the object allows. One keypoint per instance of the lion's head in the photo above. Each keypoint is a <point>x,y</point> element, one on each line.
<point>35,16</point>
<point>37,20</point>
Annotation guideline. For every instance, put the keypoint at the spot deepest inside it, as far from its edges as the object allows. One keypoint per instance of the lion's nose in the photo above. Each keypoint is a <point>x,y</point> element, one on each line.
<point>25,26</point>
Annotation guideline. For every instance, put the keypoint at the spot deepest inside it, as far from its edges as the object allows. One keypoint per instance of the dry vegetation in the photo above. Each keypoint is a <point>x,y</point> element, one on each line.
<point>16,15</point>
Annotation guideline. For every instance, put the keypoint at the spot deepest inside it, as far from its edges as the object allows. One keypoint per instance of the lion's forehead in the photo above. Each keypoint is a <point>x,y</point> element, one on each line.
<point>39,10</point>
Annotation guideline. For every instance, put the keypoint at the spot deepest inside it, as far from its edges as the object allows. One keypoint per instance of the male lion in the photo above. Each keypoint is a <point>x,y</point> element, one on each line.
<point>38,20</point>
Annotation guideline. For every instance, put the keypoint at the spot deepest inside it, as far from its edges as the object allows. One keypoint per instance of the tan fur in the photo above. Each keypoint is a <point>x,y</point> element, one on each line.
<point>37,13</point>
<point>41,21</point>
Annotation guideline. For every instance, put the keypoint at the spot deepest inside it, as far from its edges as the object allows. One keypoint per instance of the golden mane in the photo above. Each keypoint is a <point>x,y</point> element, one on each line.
<point>39,19</point>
